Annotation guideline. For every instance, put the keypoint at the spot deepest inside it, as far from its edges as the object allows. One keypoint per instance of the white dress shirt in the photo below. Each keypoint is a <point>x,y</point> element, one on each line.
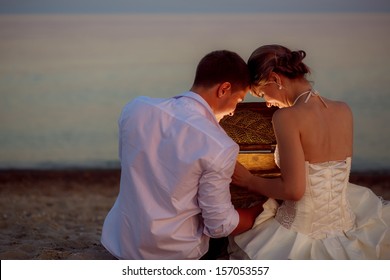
<point>176,163</point>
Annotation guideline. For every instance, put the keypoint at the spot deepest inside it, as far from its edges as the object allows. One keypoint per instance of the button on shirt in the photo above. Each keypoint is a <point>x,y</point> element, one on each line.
<point>176,165</point>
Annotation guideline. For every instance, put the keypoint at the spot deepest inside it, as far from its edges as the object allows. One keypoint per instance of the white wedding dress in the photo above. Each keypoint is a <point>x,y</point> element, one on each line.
<point>334,219</point>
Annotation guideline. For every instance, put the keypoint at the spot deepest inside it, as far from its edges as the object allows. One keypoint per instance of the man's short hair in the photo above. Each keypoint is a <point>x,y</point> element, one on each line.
<point>222,66</point>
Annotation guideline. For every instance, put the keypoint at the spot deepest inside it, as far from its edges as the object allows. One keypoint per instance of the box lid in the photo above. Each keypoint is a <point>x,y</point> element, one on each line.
<point>251,127</point>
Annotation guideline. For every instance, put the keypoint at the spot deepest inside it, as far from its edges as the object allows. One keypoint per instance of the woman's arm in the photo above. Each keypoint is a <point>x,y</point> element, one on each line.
<point>291,184</point>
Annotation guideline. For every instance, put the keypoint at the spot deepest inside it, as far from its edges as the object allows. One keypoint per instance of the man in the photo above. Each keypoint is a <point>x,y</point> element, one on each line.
<point>176,168</point>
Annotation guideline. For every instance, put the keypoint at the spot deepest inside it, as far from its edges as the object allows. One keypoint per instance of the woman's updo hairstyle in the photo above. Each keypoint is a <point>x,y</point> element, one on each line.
<point>275,58</point>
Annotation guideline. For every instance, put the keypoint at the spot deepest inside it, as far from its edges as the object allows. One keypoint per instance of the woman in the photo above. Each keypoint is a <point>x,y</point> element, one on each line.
<point>322,215</point>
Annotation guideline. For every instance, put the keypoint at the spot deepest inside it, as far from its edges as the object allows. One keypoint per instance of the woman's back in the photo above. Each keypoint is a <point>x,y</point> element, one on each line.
<point>326,129</point>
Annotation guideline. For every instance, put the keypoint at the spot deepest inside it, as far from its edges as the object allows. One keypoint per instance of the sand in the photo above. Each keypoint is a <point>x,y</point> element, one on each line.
<point>56,214</point>
<point>59,214</point>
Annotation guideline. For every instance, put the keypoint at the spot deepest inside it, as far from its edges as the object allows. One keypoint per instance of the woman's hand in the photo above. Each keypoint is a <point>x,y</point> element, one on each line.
<point>241,176</point>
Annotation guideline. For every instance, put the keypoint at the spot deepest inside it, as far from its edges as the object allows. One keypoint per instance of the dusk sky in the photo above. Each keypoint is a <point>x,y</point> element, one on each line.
<point>186,6</point>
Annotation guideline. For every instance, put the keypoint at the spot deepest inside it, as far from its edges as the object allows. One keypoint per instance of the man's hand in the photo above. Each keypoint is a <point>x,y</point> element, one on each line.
<point>247,218</point>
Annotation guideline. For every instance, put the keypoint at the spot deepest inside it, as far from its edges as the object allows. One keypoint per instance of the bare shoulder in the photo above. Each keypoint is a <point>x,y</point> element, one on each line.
<point>286,118</point>
<point>341,104</point>
<point>341,107</point>
<point>283,114</point>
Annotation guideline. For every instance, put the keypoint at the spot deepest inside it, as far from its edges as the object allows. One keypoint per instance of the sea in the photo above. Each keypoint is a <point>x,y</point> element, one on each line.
<point>64,78</point>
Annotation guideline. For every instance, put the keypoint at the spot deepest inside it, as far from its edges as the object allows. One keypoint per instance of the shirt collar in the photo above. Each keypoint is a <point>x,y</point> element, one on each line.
<point>198,98</point>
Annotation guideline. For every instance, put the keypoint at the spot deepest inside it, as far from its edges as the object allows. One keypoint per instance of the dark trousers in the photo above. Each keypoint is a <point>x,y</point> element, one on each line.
<point>217,249</point>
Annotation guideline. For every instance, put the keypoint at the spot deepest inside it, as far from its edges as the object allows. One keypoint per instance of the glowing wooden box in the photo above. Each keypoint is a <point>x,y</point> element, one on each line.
<point>251,128</point>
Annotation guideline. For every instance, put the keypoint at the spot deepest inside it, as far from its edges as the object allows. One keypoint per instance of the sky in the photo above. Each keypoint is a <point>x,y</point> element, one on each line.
<point>191,6</point>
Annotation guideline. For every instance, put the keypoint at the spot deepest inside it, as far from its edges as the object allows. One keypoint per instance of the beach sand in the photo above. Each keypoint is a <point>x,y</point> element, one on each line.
<point>59,214</point>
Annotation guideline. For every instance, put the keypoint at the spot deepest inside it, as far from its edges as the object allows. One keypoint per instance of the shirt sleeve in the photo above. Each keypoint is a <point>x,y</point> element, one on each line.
<point>214,198</point>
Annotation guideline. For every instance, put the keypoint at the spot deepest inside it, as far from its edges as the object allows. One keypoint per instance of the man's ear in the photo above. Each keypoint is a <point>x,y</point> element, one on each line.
<point>223,89</point>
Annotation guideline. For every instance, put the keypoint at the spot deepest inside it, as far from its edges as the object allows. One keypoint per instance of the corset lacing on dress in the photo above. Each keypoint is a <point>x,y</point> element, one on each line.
<point>323,210</point>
